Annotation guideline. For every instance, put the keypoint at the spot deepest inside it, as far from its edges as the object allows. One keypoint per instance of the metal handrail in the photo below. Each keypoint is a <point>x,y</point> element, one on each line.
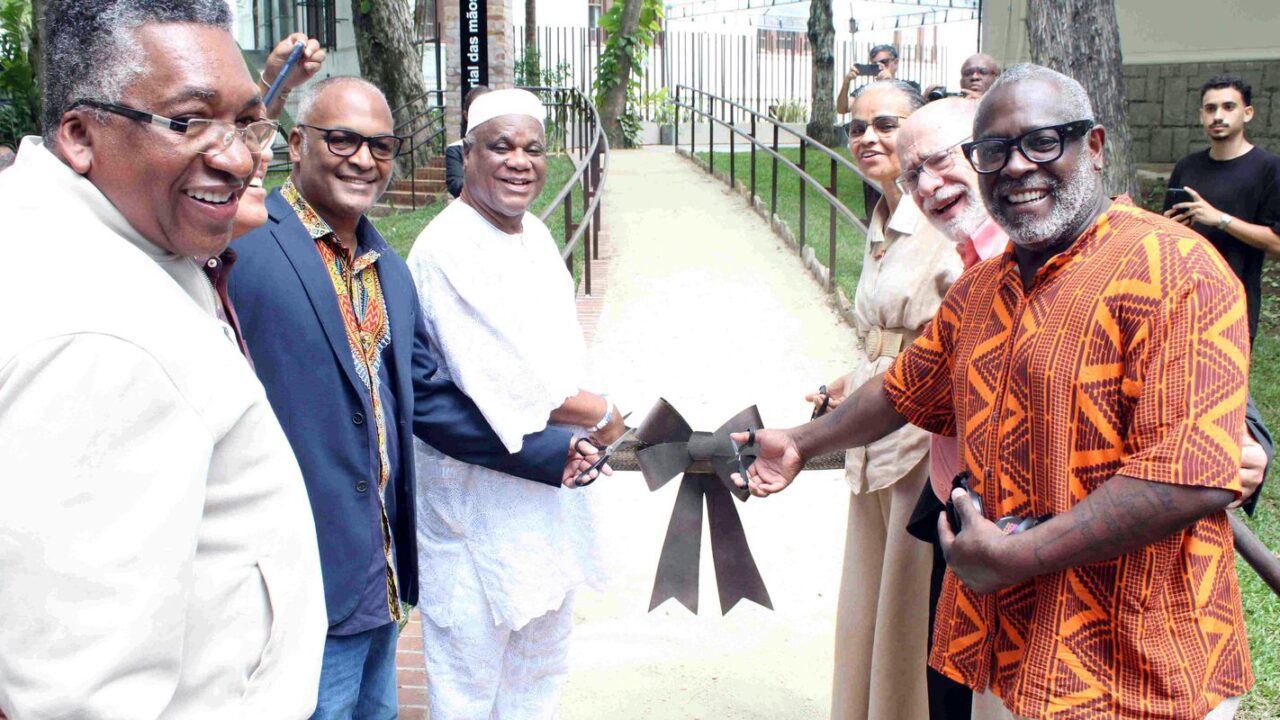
<point>591,173</point>
<point>826,192</point>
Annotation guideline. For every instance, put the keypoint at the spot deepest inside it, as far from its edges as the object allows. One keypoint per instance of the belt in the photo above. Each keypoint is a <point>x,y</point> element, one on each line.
<point>880,342</point>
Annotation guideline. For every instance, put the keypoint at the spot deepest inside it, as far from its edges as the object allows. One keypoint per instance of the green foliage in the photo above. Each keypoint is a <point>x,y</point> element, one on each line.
<point>19,96</point>
<point>634,47</point>
<point>659,107</point>
<point>791,111</point>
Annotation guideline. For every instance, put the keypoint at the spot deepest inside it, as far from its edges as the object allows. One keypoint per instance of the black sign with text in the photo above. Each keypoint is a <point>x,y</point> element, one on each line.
<point>474,45</point>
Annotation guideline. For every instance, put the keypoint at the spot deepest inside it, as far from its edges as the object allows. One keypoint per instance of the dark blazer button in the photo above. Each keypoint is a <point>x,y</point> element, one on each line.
<point>358,418</point>
<point>362,486</point>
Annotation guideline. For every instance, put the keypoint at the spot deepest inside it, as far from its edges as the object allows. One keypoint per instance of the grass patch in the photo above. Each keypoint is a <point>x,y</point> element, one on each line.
<point>402,229</point>
<point>1261,605</point>
<point>850,242</point>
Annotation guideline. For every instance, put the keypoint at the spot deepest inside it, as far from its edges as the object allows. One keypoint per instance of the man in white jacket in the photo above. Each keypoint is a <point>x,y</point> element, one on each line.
<point>157,548</point>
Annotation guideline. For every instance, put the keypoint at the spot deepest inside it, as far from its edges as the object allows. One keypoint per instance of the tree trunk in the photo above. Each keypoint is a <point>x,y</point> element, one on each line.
<point>615,99</point>
<point>1080,38</point>
<point>384,44</point>
<point>822,113</point>
<point>530,24</point>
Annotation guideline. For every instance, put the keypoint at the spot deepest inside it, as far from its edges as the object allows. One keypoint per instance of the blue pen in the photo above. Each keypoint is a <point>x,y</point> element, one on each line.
<point>274,90</point>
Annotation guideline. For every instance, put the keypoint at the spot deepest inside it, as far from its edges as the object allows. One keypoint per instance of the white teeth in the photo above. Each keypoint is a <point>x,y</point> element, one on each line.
<point>255,182</point>
<point>1027,196</point>
<point>209,197</point>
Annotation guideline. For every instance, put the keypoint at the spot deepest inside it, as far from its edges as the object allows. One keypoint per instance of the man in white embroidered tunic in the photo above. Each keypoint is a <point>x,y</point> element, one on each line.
<point>501,558</point>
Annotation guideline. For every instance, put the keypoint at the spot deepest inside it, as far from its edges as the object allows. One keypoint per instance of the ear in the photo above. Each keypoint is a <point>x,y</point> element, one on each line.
<point>75,138</point>
<point>1248,113</point>
<point>1097,145</point>
<point>295,144</point>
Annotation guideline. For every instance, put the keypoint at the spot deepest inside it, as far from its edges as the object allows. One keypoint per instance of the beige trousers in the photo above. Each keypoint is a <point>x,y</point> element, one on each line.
<point>882,615</point>
<point>986,706</point>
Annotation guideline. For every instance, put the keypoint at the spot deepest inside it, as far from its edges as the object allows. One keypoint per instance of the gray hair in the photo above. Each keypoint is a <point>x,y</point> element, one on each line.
<point>91,52</point>
<point>1075,99</point>
<point>893,51</point>
<point>911,91</point>
<point>312,93</point>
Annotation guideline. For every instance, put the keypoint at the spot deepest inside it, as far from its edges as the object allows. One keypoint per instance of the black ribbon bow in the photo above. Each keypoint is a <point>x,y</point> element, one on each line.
<point>670,447</point>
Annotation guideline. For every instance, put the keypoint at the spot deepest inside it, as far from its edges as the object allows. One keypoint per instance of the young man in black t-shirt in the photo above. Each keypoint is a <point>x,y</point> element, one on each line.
<point>1232,190</point>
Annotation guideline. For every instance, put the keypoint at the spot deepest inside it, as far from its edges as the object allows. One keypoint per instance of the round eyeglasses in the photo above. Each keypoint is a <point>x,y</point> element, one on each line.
<point>1040,145</point>
<point>884,125</point>
<point>934,165</point>
<point>203,136</point>
<point>345,143</point>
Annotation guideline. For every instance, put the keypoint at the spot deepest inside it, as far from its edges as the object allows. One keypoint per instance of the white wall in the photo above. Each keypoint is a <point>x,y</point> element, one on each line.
<point>552,13</point>
<point>1158,31</point>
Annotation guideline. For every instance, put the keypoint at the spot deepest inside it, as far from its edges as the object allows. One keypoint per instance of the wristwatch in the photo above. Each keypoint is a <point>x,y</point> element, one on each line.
<point>608,415</point>
<point>1225,221</point>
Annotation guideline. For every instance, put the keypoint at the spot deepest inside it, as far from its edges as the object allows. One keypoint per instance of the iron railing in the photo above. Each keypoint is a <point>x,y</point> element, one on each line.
<point>581,136</point>
<point>758,68</point>
<point>731,115</point>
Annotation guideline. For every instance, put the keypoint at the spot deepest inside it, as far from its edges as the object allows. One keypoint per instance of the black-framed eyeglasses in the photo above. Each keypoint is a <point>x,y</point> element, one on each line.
<point>884,125</point>
<point>204,136</point>
<point>1040,145</point>
<point>345,143</point>
<point>934,165</point>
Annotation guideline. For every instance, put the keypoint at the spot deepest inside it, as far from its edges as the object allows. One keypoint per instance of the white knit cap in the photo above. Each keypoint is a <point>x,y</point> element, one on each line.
<point>511,101</point>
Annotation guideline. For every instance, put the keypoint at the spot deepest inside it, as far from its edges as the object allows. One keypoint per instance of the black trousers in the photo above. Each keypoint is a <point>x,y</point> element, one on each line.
<point>948,699</point>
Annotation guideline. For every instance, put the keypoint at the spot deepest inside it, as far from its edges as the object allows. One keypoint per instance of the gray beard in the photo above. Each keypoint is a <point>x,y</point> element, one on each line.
<point>1071,203</point>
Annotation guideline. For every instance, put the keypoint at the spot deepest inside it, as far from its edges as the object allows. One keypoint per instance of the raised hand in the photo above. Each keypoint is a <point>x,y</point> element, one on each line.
<point>778,461</point>
<point>312,58</point>
<point>1196,210</point>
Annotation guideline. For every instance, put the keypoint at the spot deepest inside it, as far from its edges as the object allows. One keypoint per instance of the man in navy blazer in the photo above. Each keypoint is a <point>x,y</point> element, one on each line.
<point>333,323</point>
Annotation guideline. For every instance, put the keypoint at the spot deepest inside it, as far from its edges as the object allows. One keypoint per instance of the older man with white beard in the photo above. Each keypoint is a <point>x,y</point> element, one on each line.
<point>1095,377</point>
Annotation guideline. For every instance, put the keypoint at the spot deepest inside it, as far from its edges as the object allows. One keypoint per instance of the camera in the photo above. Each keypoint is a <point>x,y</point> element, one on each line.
<point>940,92</point>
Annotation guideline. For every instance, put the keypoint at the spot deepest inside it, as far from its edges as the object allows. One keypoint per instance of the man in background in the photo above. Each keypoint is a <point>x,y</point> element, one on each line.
<point>977,73</point>
<point>1230,192</point>
<point>886,56</point>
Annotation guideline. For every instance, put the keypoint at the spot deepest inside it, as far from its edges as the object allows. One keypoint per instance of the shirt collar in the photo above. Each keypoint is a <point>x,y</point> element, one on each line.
<point>368,239</point>
<point>906,218</point>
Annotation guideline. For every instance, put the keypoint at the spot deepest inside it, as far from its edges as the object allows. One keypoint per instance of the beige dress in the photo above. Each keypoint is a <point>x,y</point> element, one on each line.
<point>882,616</point>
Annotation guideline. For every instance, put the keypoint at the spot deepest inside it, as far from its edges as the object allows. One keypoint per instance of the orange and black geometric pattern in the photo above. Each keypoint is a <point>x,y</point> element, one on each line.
<point>1127,355</point>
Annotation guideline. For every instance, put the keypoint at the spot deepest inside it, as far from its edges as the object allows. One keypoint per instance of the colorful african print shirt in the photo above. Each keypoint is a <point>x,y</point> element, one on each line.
<point>364,315</point>
<point>1127,355</point>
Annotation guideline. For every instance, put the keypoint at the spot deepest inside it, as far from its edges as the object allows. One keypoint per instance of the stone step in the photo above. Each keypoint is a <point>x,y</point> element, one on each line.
<point>401,200</point>
<point>433,186</point>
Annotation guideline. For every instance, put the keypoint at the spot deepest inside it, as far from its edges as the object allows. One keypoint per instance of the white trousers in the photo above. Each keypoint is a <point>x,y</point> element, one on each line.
<point>477,670</point>
<point>986,706</point>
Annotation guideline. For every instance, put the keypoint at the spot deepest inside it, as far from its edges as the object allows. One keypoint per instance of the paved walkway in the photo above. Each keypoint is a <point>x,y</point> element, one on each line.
<point>702,305</point>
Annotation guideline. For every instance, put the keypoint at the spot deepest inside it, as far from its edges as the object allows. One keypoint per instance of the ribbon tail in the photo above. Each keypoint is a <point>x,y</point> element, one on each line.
<point>677,575</point>
<point>737,577</point>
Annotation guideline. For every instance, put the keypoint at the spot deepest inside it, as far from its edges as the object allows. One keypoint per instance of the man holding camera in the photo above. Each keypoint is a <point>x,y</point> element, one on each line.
<point>1230,192</point>
<point>883,66</point>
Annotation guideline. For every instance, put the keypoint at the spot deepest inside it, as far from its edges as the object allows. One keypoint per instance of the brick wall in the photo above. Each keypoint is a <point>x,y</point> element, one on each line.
<point>1164,102</point>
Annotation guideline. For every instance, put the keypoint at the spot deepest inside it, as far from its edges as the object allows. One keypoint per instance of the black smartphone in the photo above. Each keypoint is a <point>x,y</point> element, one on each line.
<point>1175,195</point>
<point>867,69</point>
<point>961,482</point>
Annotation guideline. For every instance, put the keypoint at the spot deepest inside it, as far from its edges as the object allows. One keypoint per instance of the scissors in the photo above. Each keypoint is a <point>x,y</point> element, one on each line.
<point>604,456</point>
<point>737,450</point>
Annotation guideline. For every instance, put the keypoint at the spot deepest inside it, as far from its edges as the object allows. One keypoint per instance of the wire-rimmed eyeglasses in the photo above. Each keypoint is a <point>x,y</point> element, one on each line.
<point>1039,145</point>
<point>934,165</point>
<point>884,125</point>
<point>345,143</point>
<point>206,137</point>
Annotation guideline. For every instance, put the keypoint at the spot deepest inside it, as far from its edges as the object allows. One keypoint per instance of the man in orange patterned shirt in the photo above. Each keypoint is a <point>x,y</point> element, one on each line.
<point>1095,374</point>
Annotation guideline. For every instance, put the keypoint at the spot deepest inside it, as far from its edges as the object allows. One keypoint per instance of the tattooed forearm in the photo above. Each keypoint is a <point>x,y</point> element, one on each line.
<point>1121,516</point>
